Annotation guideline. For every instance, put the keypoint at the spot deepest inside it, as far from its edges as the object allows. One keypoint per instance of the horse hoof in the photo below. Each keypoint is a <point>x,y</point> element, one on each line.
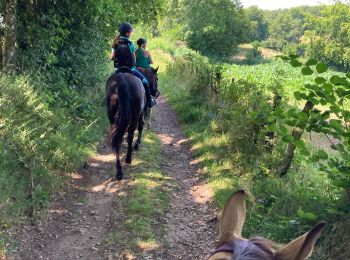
<point>136,147</point>
<point>119,176</point>
<point>128,159</point>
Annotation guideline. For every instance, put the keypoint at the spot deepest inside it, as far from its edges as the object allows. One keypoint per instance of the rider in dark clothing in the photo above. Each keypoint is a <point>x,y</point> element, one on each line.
<point>123,54</point>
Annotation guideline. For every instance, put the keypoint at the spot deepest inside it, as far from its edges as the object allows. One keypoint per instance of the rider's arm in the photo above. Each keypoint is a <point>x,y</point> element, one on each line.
<point>112,55</point>
<point>150,57</point>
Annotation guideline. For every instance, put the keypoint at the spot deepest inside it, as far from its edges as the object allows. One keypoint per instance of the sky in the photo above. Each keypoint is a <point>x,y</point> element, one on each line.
<point>279,4</point>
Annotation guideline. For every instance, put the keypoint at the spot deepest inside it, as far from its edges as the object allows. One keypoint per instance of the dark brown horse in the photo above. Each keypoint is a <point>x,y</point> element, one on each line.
<point>152,77</point>
<point>125,98</point>
<point>232,246</point>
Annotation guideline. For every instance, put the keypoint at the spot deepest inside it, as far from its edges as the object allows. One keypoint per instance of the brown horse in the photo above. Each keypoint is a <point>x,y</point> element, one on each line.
<point>152,77</point>
<point>232,246</point>
<point>125,98</point>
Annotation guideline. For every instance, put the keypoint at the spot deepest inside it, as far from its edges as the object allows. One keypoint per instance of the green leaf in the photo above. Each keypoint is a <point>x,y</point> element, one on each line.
<point>311,62</point>
<point>322,155</point>
<point>297,95</point>
<point>299,143</point>
<point>328,87</point>
<point>307,71</point>
<point>336,80</point>
<point>295,63</point>
<point>321,67</point>
<point>348,75</point>
<point>309,216</point>
<point>283,130</point>
<point>320,80</point>
<point>293,56</point>
<point>287,138</point>
<point>336,124</point>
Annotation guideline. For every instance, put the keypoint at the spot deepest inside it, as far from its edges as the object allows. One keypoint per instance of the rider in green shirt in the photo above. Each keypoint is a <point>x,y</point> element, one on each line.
<point>143,56</point>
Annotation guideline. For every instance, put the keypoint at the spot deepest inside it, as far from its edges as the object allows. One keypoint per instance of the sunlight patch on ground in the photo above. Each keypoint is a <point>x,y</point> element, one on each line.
<point>201,194</point>
<point>58,211</point>
<point>147,245</point>
<point>166,139</point>
<point>74,175</point>
<point>137,162</point>
<point>181,141</point>
<point>108,186</point>
<point>104,158</point>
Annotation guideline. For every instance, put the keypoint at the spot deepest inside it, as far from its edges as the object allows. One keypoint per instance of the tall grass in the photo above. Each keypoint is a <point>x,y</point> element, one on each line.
<point>43,136</point>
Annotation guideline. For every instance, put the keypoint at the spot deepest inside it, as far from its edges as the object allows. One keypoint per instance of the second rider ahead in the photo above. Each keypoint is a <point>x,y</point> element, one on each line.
<point>123,54</point>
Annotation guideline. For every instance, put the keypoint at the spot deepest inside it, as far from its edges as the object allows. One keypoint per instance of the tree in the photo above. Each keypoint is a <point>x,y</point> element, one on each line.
<point>328,36</point>
<point>215,27</point>
<point>258,24</point>
<point>10,31</point>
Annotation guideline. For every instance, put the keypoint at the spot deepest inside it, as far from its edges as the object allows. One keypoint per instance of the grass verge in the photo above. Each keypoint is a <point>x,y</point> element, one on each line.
<point>279,208</point>
<point>145,200</point>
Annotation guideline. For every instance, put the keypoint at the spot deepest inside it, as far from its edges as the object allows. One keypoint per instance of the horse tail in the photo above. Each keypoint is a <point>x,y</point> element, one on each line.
<point>123,119</point>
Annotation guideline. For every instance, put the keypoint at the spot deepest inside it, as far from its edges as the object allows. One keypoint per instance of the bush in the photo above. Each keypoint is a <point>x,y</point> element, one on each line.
<point>42,135</point>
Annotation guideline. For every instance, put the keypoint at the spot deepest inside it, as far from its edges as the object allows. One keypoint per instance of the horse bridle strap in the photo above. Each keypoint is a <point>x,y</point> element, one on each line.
<point>224,248</point>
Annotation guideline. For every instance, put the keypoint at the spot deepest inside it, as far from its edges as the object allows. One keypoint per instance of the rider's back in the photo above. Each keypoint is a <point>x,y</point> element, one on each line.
<point>124,56</point>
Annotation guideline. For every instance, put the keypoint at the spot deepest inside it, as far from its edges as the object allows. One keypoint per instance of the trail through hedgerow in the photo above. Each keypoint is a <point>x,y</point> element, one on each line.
<point>80,219</point>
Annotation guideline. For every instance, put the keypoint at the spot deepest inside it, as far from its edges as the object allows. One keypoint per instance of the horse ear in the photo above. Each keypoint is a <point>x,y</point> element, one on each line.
<point>301,248</point>
<point>156,70</point>
<point>233,217</point>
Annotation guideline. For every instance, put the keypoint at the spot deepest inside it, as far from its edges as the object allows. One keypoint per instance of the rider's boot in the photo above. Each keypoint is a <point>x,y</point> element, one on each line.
<point>149,100</point>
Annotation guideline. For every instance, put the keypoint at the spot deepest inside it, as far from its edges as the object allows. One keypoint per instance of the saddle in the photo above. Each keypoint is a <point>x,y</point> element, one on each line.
<point>124,69</point>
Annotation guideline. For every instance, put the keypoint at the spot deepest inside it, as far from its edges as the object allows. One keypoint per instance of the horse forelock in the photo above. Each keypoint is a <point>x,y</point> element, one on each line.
<point>253,249</point>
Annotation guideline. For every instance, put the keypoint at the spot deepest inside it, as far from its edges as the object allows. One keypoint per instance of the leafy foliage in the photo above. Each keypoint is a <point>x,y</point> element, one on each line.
<point>215,27</point>
<point>327,37</point>
<point>328,98</point>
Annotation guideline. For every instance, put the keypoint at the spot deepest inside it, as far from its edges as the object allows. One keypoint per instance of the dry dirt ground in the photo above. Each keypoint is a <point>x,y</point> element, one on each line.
<point>78,222</point>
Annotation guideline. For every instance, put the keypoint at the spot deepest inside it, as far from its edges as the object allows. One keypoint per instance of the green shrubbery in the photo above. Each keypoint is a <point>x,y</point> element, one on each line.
<point>42,133</point>
<point>225,110</point>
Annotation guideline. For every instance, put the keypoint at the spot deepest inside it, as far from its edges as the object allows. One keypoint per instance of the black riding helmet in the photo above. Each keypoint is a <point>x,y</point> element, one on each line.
<point>141,41</point>
<point>124,28</point>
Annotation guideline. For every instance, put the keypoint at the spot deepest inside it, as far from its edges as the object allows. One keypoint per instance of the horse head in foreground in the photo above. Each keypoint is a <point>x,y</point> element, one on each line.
<point>125,98</point>
<point>232,246</point>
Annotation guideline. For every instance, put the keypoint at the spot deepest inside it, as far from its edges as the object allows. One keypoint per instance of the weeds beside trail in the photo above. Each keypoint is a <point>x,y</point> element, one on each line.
<point>220,117</point>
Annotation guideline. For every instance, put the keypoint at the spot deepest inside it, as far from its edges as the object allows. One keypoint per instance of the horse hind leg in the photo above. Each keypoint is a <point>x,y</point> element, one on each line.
<point>120,174</point>
<point>128,158</point>
<point>140,129</point>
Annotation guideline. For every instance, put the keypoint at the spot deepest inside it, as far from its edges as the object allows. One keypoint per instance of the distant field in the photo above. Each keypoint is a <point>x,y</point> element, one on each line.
<point>243,49</point>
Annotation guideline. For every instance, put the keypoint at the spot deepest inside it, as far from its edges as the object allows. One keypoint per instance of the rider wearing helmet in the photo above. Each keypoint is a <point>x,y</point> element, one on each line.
<point>123,54</point>
<point>143,56</point>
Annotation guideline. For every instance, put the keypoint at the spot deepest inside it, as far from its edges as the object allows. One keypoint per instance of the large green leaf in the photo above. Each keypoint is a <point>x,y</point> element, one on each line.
<point>307,71</point>
<point>320,80</point>
<point>295,63</point>
<point>311,62</point>
<point>321,67</point>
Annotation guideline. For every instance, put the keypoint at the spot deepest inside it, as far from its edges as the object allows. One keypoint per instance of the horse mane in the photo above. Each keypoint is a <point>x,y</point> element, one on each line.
<point>255,248</point>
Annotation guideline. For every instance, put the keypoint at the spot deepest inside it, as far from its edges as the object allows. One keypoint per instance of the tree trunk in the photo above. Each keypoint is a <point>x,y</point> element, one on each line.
<point>297,134</point>
<point>9,45</point>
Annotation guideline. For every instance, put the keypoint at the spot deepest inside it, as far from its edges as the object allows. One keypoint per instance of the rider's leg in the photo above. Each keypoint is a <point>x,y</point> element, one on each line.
<point>145,85</point>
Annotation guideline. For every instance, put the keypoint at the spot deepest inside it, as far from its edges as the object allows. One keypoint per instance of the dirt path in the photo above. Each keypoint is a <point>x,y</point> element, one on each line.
<point>191,225</point>
<point>80,220</point>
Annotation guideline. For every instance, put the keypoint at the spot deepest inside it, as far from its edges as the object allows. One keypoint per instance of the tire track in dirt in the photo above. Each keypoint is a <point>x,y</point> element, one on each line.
<point>191,222</point>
